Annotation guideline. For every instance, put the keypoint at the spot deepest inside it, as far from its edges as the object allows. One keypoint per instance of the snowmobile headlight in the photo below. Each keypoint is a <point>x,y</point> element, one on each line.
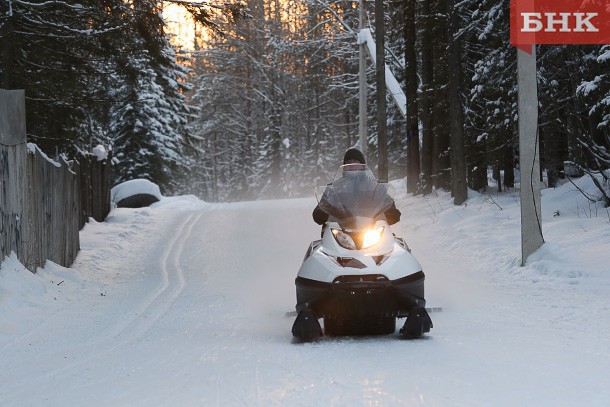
<point>344,239</point>
<point>372,237</point>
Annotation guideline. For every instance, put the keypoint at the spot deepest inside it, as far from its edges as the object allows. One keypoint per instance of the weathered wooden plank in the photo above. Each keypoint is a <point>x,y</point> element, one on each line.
<point>12,173</point>
<point>12,117</point>
<point>43,206</point>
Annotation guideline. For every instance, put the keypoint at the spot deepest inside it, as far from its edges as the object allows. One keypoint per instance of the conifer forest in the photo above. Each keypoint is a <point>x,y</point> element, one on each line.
<point>263,101</point>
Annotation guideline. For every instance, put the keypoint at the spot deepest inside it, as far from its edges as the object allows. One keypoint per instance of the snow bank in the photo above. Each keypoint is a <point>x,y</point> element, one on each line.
<point>25,298</point>
<point>487,226</point>
<point>183,202</point>
<point>18,289</point>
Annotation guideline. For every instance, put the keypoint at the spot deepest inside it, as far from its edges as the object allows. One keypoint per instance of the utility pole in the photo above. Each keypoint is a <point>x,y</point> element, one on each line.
<point>529,160</point>
<point>382,141</point>
<point>362,94</point>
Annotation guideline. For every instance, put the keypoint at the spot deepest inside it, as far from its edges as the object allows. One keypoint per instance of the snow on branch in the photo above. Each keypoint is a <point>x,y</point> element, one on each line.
<point>49,4</point>
<point>365,37</point>
<point>200,10</point>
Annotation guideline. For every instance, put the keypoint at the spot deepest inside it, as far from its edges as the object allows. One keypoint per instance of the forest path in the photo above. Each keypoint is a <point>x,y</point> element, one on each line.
<point>184,304</point>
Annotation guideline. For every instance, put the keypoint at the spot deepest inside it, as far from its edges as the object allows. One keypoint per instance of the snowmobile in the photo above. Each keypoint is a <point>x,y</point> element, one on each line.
<point>359,277</point>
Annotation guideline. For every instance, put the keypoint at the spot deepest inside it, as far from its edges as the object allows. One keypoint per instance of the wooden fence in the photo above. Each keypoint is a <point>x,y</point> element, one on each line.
<point>44,204</point>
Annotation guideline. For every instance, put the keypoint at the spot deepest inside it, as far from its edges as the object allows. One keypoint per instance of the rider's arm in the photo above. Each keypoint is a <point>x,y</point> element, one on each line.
<point>319,216</point>
<point>392,214</point>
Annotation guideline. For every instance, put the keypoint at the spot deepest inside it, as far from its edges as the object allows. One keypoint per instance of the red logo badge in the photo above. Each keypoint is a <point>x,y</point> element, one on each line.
<point>559,22</point>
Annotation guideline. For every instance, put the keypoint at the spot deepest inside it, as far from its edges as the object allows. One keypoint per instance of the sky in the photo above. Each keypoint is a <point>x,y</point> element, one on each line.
<point>188,303</point>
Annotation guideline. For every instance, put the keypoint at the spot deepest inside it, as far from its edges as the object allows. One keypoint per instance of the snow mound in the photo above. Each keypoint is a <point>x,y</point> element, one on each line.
<point>141,190</point>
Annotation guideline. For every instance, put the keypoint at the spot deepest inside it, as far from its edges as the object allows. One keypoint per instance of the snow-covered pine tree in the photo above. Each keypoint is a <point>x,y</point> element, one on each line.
<point>561,68</point>
<point>595,137</point>
<point>148,122</point>
<point>492,105</point>
<point>54,50</point>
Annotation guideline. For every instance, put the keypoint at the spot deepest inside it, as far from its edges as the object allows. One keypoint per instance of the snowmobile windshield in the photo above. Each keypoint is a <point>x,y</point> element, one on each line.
<point>356,199</point>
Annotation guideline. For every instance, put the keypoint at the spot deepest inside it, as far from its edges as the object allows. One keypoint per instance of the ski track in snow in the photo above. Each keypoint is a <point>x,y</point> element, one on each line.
<point>158,303</point>
<point>184,304</point>
<point>144,313</point>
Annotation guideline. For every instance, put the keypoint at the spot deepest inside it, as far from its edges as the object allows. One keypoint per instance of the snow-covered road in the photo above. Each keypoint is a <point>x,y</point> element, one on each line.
<point>184,304</point>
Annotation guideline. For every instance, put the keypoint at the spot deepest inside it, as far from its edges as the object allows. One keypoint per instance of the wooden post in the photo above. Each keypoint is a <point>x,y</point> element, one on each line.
<point>40,200</point>
<point>13,184</point>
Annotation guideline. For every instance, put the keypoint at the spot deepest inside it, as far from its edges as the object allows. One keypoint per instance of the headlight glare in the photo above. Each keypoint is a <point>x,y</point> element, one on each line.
<point>372,237</point>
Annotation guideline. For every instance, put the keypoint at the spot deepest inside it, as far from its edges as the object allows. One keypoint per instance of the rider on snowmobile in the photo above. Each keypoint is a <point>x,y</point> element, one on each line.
<point>359,277</point>
<point>353,160</point>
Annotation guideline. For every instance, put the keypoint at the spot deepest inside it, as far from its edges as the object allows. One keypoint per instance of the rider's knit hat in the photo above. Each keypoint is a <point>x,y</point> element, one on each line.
<point>353,154</point>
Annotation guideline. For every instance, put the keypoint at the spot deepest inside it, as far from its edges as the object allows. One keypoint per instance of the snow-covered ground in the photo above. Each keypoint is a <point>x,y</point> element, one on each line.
<point>185,303</point>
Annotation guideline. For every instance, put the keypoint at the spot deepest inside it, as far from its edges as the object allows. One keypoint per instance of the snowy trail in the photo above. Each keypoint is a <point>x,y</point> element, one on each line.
<point>124,327</point>
<point>184,304</point>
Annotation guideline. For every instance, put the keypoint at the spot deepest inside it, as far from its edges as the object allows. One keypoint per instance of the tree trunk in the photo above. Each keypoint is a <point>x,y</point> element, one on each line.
<point>459,188</point>
<point>382,139</point>
<point>509,165</point>
<point>413,165</point>
<point>442,161</point>
<point>427,74</point>
<point>497,173</point>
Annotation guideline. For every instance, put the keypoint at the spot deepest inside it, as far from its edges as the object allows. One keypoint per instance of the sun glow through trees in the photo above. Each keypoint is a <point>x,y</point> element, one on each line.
<point>181,26</point>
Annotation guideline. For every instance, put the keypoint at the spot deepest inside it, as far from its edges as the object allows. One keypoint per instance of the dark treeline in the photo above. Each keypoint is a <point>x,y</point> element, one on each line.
<point>268,103</point>
<point>100,72</point>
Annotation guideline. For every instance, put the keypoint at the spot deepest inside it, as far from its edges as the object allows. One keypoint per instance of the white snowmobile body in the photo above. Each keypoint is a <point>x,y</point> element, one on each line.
<point>326,260</point>
<point>359,277</point>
